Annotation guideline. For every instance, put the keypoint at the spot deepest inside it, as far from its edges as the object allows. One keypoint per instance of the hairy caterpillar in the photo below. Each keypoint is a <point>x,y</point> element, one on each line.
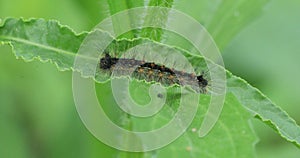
<point>150,71</point>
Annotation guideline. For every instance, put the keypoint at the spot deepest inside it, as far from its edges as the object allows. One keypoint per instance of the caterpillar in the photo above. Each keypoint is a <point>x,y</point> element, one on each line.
<point>151,71</point>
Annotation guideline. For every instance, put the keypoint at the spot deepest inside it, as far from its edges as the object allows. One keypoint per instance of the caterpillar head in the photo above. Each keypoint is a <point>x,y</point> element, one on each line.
<point>202,81</point>
<point>107,62</point>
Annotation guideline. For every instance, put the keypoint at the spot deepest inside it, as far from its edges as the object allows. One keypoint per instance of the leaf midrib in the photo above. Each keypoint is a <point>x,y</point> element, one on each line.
<point>45,47</point>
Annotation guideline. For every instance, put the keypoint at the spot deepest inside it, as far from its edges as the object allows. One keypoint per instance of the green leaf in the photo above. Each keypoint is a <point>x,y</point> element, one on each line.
<point>223,19</point>
<point>42,40</point>
<point>156,17</point>
<point>262,108</point>
<point>117,6</point>
<point>231,129</point>
<point>149,18</point>
<point>49,41</point>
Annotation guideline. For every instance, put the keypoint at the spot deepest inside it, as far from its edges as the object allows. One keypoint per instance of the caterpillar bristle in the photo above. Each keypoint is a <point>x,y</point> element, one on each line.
<point>150,71</point>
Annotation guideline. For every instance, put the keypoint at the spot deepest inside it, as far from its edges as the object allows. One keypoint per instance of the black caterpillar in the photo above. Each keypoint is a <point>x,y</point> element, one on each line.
<point>153,72</point>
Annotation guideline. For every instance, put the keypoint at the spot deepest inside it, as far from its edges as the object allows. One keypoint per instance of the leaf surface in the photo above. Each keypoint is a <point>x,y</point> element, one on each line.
<point>49,41</point>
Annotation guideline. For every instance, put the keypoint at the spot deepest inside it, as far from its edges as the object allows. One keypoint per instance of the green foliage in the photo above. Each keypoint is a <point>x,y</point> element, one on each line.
<point>49,41</point>
<point>231,129</point>
<point>223,19</point>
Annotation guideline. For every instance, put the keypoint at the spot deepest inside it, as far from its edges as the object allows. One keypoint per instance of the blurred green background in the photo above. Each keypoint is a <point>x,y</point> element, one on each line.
<point>37,113</point>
